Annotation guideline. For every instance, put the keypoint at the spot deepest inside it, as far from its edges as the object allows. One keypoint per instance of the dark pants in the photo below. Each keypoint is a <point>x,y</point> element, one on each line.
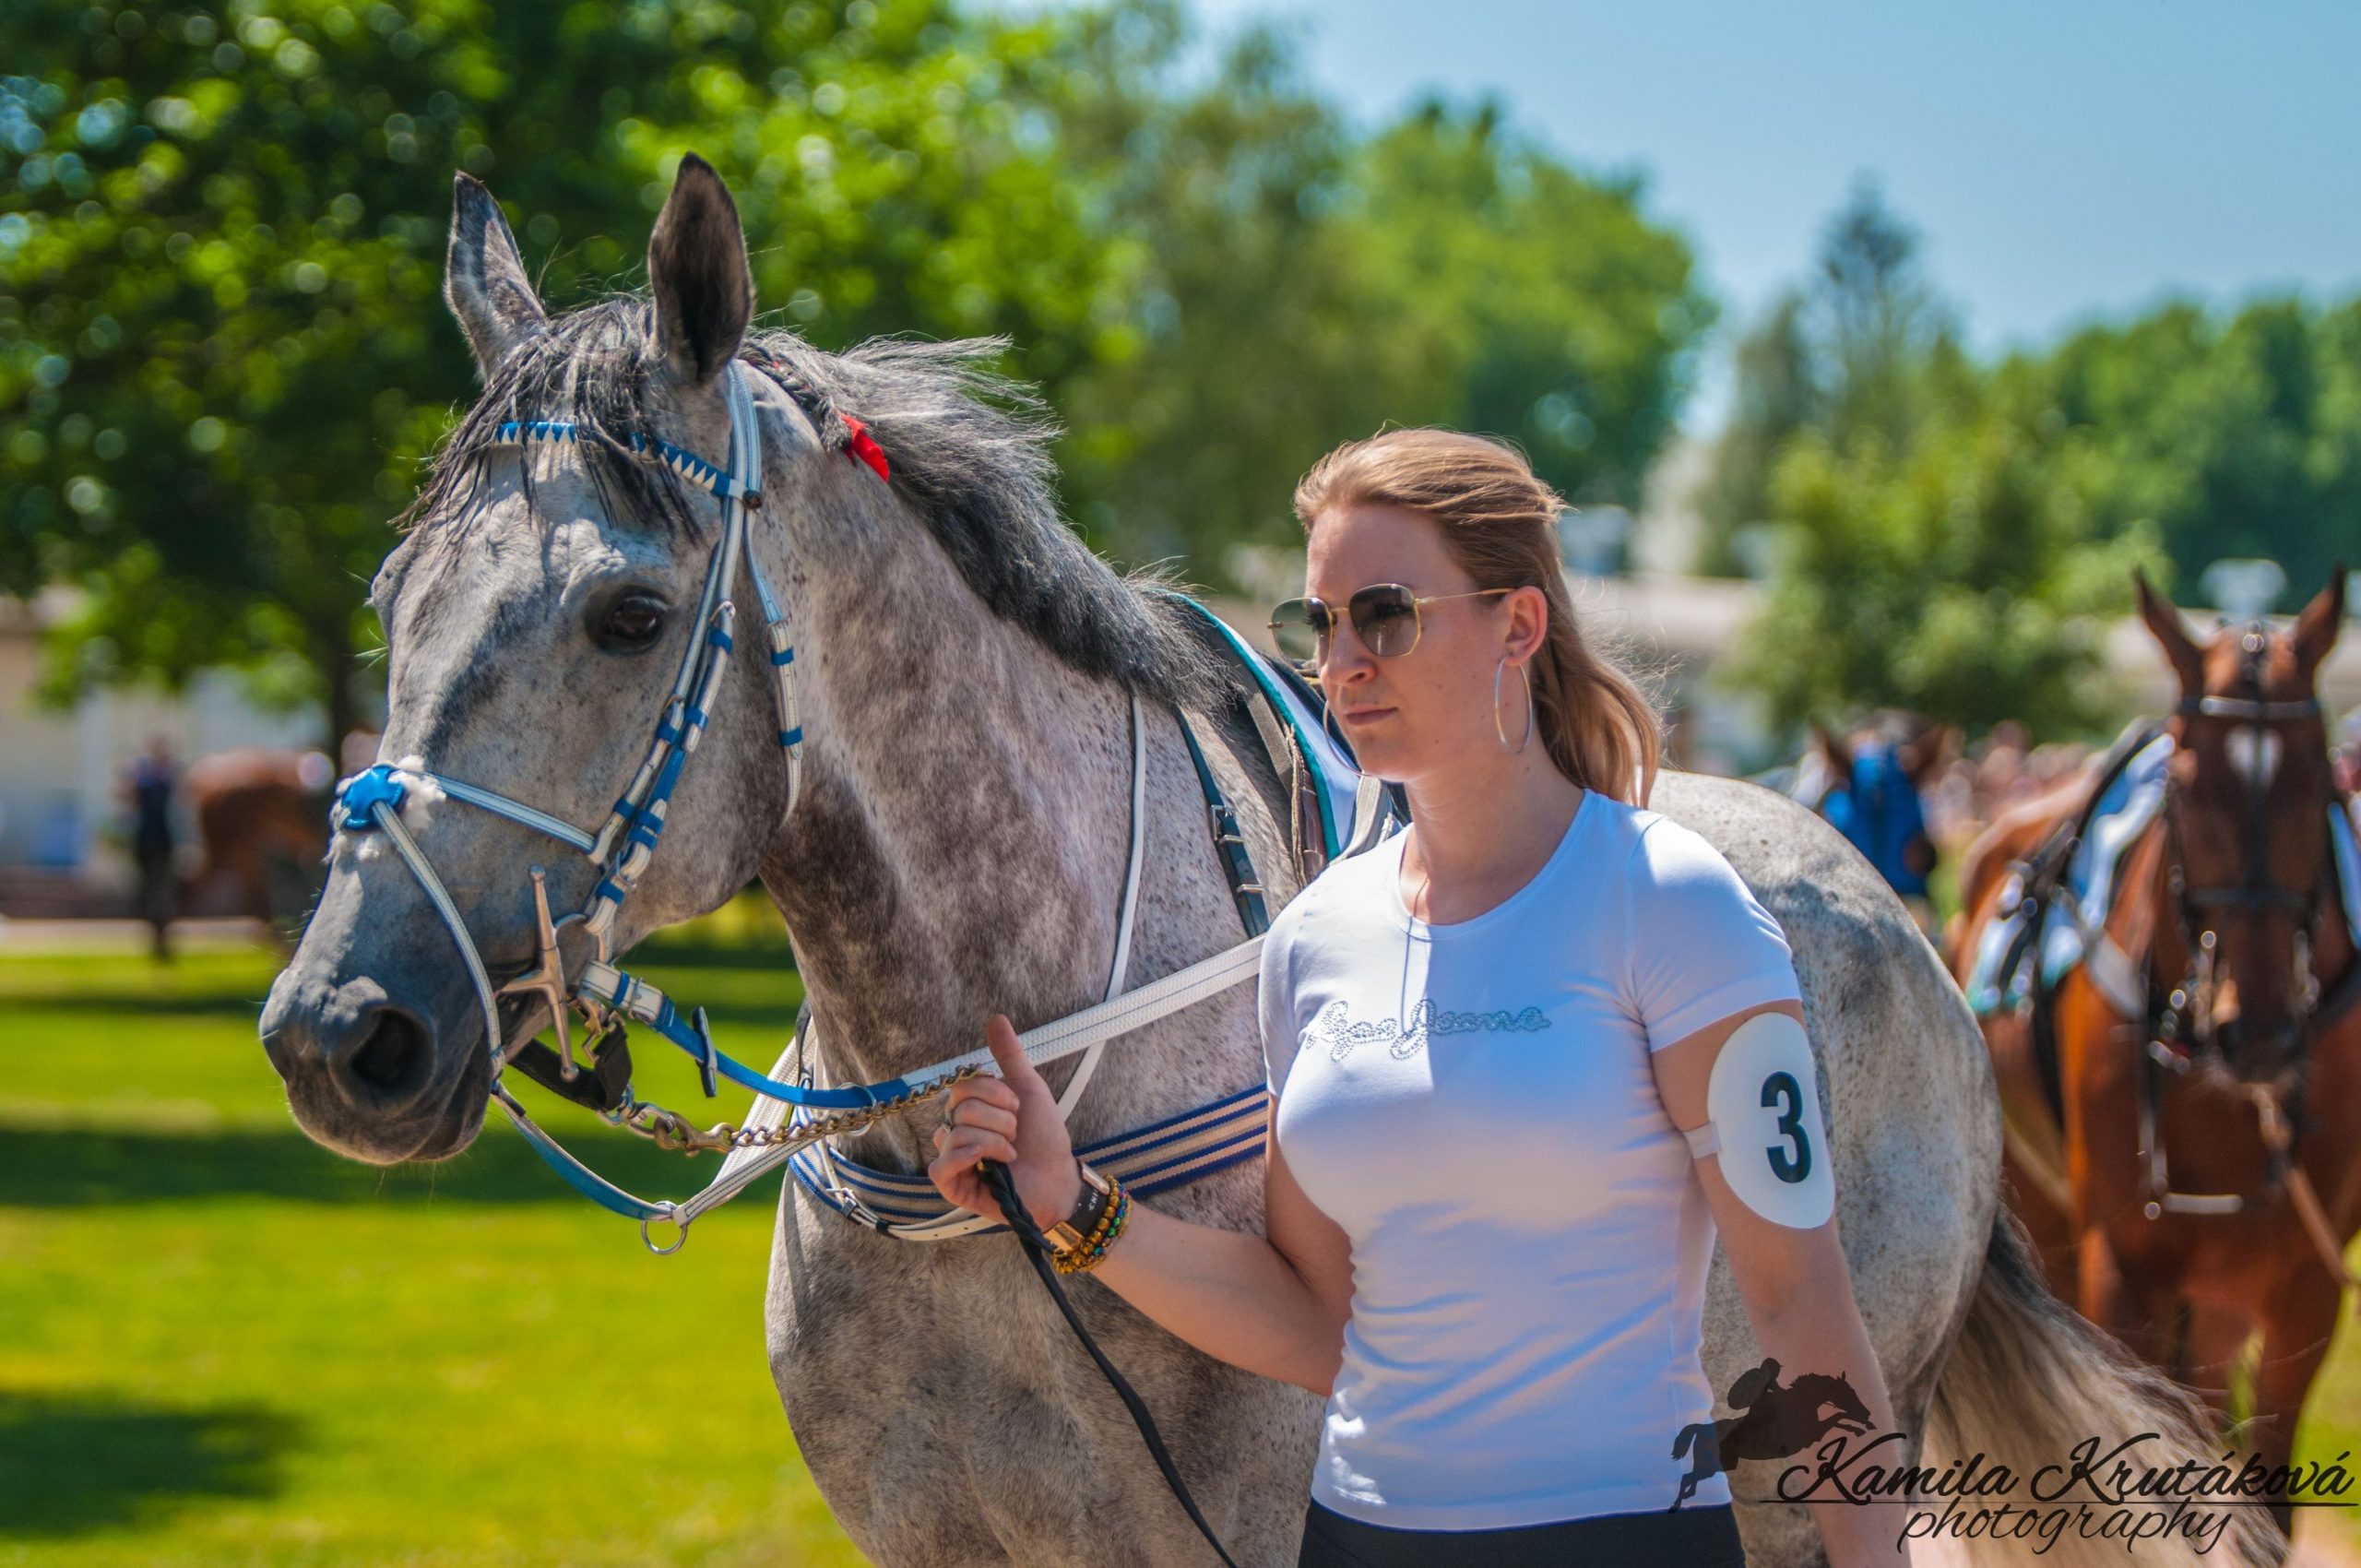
<point>156,889</point>
<point>1693,1538</point>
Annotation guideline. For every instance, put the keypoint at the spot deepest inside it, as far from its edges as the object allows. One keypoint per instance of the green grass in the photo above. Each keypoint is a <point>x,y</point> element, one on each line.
<point>219,1344</point>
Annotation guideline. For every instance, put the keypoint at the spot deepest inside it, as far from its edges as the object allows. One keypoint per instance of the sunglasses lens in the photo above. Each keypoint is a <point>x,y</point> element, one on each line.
<point>1296,626</point>
<point>1387,620</point>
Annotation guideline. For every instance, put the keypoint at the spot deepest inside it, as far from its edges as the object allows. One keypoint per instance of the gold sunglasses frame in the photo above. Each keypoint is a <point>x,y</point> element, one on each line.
<point>1417,620</point>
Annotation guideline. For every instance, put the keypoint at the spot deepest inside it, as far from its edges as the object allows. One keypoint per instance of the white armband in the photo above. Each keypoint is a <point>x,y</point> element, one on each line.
<point>1763,1119</point>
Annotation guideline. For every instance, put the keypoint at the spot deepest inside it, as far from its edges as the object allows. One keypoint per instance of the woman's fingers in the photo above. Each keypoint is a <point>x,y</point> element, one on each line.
<point>965,1145</point>
<point>1000,1034</point>
<point>978,1112</point>
<point>991,1090</point>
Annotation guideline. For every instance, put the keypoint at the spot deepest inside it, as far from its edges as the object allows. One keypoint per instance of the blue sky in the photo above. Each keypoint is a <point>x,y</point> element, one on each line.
<point>2078,158</point>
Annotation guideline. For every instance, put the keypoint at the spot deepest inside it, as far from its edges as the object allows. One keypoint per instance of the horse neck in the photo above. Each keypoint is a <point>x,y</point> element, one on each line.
<point>960,844</point>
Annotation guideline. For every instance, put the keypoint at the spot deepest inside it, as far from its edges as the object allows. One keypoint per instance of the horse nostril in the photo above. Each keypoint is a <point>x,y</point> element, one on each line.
<point>393,1057</point>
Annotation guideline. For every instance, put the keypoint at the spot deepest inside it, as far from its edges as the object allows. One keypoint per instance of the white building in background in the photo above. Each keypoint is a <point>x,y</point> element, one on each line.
<point>61,810</point>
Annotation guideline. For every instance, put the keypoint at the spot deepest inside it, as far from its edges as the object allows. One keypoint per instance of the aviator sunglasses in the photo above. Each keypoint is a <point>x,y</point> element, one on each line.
<point>1384,616</point>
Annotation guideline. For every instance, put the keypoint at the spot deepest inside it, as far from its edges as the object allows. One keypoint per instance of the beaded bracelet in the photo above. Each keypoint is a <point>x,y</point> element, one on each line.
<point>1102,1235</point>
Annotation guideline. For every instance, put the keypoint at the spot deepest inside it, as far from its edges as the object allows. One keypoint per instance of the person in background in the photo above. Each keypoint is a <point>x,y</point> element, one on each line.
<point>149,788</point>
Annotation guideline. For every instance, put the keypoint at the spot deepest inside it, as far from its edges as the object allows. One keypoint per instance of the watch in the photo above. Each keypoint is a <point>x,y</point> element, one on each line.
<point>1069,1235</point>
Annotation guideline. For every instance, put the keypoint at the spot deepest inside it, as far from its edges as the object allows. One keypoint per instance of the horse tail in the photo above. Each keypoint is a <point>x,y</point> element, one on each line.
<point>2029,1378</point>
<point>1688,1435</point>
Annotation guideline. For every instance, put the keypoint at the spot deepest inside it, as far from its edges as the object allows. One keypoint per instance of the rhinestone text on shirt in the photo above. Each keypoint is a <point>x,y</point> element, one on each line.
<point>1335,1027</point>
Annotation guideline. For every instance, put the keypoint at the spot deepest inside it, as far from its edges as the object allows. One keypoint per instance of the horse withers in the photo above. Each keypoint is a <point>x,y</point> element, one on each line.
<point>2184,1101</point>
<point>957,845</point>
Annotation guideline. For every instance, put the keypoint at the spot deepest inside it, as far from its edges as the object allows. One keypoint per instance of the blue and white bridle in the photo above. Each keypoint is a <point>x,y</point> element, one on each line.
<point>1180,1149</point>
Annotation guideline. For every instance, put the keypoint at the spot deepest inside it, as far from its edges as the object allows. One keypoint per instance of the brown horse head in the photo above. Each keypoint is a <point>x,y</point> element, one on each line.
<point>2247,860</point>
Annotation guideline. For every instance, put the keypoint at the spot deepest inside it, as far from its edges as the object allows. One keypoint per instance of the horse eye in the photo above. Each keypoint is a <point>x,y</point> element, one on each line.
<point>632,624</point>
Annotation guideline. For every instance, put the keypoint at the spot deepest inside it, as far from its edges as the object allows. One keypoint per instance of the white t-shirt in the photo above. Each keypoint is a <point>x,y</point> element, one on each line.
<point>1473,1104</point>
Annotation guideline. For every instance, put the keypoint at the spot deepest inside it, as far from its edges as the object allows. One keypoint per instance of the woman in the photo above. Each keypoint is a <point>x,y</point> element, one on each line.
<point>1491,1192</point>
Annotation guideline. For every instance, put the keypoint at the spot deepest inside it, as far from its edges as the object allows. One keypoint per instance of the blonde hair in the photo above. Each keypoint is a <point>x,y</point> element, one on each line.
<point>1498,521</point>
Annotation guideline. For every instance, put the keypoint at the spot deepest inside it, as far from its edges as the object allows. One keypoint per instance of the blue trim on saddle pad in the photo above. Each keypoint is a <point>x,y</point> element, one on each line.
<point>1332,765</point>
<point>1151,1160</point>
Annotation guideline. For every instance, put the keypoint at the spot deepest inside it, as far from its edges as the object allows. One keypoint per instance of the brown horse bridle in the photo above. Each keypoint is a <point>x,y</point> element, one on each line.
<point>2186,1015</point>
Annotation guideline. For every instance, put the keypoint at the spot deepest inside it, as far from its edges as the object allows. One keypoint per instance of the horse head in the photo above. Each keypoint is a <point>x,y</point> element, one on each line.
<point>956,657</point>
<point>2248,881</point>
<point>1871,788</point>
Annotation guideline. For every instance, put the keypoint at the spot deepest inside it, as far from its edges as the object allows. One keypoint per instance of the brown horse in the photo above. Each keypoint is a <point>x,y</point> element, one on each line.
<point>2229,1217</point>
<point>261,815</point>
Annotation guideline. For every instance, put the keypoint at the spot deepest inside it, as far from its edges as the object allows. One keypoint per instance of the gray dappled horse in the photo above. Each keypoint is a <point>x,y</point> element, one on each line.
<point>956,846</point>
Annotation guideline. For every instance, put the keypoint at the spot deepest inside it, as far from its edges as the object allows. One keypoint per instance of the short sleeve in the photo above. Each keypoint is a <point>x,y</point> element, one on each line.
<point>1698,947</point>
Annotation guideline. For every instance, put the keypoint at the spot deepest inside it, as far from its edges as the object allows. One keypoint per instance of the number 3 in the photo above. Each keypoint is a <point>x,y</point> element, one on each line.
<point>1787,1167</point>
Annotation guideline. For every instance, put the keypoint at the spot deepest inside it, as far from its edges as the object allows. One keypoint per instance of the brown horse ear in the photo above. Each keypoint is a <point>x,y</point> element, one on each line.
<point>1836,753</point>
<point>2318,622</point>
<point>2164,621</point>
<point>1930,752</point>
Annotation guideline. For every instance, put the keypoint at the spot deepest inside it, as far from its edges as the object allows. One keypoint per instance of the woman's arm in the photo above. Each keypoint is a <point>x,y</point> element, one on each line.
<point>1797,1289</point>
<point>1275,1304</point>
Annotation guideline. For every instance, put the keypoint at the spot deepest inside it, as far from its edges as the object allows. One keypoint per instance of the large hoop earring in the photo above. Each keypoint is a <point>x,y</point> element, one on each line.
<point>1498,728</point>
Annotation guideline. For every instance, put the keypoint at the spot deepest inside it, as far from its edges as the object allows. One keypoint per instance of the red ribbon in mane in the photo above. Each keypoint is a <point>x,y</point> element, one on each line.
<point>863,448</point>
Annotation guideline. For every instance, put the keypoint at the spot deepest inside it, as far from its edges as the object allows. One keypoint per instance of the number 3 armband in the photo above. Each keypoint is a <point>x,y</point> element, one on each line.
<point>1763,1119</point>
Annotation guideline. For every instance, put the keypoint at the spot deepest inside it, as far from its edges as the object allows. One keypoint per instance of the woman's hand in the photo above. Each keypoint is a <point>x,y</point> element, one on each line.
<point>1012,1119</point>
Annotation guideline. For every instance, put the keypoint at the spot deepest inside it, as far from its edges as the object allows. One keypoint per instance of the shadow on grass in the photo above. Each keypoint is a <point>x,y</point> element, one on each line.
<point>42,1167</point>
<point>72,1463</point>
<point>205,1005</point>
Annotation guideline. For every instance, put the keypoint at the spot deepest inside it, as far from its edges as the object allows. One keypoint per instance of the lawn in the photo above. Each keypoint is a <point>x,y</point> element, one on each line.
<point>219,1344</point>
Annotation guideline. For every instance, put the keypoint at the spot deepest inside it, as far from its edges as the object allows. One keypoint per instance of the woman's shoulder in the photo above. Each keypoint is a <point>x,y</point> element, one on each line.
<point>1672,872</point>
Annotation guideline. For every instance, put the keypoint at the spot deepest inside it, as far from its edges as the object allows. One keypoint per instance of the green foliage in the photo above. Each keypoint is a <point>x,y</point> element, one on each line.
<point>1946,536</point>
<point>1304,290</point>
<point>222,357</point>
<point>2236,436</point>
<point>227,234</point>
<point>1959,576</point>
<point>1865,349</point>
<point>1551,312</point>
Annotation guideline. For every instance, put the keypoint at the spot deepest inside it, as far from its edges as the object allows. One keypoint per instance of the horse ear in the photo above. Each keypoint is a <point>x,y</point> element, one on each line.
<point>2165,624</point>
<point>1929,752</point>
<point>483,278</point>
<point>2318,625</point>
<point>1838,755</point>
<point>698,272</point>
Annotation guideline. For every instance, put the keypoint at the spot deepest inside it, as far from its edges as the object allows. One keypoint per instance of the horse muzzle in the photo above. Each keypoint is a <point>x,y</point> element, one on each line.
<point>370,1077</point>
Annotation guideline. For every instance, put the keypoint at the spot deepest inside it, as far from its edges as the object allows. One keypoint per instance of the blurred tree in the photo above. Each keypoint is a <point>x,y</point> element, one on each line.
<point>1963,575</point>
<point>2235,436</point>
<point>1867,348</point>
<point>1302,290</point>
<point>222,355</point>
<point>1252,346</point>
<point>1776,396</point>
<point>1553,312</point>
<point>221,349</point>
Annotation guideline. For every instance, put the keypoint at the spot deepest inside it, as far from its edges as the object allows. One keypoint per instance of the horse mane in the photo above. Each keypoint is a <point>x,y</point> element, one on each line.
<point>969,451</point>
